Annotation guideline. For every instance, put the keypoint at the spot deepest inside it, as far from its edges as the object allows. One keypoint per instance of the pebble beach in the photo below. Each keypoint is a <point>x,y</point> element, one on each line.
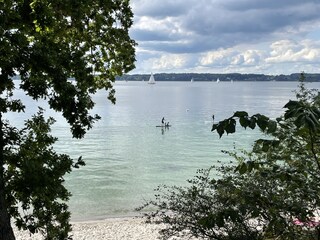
<point>108,229</point>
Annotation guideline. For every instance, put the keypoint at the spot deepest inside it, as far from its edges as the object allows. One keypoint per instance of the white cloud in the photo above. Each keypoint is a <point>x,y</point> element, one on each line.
<point>219,57</point>
<point>237,60</point>
<point>164,62</point>
<point>170,61</point>
<point>292,51</point>
<point>252,57</point>
<point>232,56</point>
<point>165,25</point>
<point>226,36</point>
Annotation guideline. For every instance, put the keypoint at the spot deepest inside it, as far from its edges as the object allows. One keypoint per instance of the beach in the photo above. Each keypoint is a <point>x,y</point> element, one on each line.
<point>108,229</point>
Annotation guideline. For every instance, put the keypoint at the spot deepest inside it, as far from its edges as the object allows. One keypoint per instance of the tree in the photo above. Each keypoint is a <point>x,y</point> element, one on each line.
<point>34,178</point>
<point>272,191</point>
<point>47,43</point>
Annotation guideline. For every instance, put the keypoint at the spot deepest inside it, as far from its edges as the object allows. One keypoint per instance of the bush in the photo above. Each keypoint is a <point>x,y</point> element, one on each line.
<point>272,191</point>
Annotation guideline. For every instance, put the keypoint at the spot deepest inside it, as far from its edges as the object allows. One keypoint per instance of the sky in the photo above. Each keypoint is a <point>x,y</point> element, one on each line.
<point>226,36</point>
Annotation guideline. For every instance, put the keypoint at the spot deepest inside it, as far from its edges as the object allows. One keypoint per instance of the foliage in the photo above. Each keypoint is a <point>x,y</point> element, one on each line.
<point>271,193</point>
<point>47,42</point>
<point>63,51</point>
<point>34,178</point>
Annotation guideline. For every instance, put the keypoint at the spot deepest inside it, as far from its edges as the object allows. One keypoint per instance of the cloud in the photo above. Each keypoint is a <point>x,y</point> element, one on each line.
<point>249,57</point>
<point>292,51</point>
<point>219,57</point>
<point>171,61</point>
<point>225,34</point>
<point>160,9</point>
<point>232,58</point>
<point>166,62</point>
<point>218,24</point>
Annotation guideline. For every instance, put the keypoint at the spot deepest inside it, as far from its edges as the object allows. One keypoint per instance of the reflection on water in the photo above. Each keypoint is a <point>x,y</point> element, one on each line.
<point>127,156</point>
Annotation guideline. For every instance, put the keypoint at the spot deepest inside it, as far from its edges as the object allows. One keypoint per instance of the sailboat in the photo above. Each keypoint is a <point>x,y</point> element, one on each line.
<point>191,80</point>
<point>151,79</point>
<point>218,80</point>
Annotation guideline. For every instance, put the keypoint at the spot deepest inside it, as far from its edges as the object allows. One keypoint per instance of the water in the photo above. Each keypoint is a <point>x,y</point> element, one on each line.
<point>127,156</point>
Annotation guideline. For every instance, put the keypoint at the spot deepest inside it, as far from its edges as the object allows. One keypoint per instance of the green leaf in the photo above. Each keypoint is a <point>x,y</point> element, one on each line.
<point>220,220</point>
<point>220,130</point>
<point>310,123</point>
<point>314,117</point>
<point>292,104</point>
<point>250,166</point>
<point>79,163</point>
<point>244,122</point>
<point>262,124</point>
<point>317,112</point>
<point>231,126</point>
<point>243,168</point>
<point>272,126</point>
<point>214,127</point>
<point>252,123</point>
<point>290,114</point>
<point>46,43</point>
<point>300,120</point>
<point>240,114</point>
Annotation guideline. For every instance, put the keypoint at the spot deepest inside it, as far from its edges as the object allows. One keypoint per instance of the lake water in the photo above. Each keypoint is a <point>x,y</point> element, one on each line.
<point>127,156</point>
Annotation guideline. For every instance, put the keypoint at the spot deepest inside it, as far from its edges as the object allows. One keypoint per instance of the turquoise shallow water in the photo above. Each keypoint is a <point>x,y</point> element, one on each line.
<point>127,156</point>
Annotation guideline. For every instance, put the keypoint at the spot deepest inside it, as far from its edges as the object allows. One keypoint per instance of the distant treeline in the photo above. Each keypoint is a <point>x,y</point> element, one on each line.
<point>222,77</point>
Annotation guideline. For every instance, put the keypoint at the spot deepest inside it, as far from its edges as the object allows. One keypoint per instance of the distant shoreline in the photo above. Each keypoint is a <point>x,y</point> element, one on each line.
<point>214,77</point>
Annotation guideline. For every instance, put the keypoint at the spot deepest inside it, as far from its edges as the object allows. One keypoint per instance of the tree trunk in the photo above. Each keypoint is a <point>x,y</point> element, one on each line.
<point>6,232</point>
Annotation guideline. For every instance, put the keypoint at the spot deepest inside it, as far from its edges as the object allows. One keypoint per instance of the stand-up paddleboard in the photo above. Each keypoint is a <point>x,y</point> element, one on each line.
<point>163,126</point>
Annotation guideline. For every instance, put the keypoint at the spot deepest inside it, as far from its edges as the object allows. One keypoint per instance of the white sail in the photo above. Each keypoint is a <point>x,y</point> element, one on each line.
<point>218,80</point>
<point>151,79</point>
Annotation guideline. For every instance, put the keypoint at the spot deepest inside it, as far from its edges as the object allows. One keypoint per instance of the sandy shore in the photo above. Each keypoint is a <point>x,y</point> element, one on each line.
<point>109,229</point>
